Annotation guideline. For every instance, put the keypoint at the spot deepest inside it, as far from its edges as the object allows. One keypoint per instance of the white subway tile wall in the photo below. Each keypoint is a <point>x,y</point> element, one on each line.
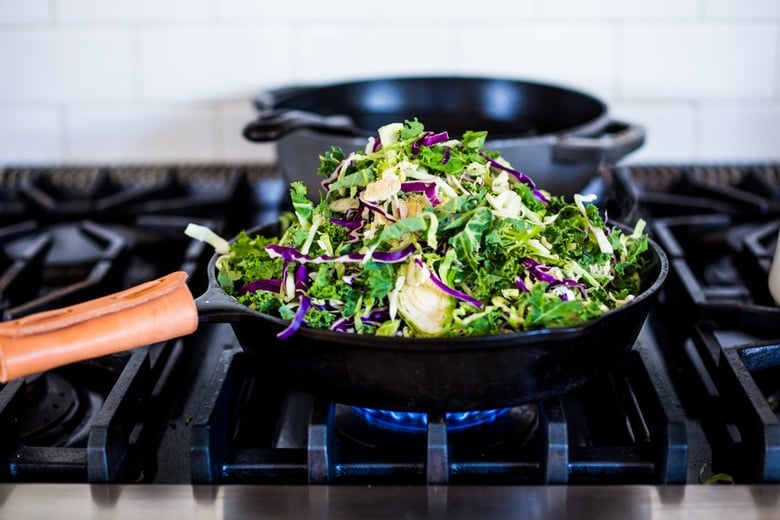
<point>579,55</point>
<point>173,80</point>
<point>67,64</point>
<point>129,132</point>
<point>718,60</point>
<point>205,62</point>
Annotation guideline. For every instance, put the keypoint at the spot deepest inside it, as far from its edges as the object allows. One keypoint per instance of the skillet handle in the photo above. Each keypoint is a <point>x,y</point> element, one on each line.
<point>275,124</point>
<point>216,306</point>
<point>617,140</point>
<point>150,312</point>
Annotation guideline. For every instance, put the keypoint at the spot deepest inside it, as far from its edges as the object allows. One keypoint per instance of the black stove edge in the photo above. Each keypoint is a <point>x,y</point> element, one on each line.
<point>241,501</point>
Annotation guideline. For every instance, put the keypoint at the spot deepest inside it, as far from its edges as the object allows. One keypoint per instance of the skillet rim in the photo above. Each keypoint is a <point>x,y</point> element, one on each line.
<point>282,97</point>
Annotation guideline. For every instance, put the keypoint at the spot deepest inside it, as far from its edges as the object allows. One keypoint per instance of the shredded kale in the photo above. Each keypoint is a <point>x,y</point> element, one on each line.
<point>411,129</point>
<point>330,160</point>
<point>380,279</point>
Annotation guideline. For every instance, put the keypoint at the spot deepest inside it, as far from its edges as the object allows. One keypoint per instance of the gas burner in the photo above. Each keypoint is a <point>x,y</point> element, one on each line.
<point>489,428</point>
<point>57,413</point>
<point>416,422</point>
<point>93,421</point>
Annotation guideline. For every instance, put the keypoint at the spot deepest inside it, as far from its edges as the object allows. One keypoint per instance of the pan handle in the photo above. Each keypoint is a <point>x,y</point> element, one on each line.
<point>275,124</point>
<point>147,313</point>
<point>617,140</point>
<point>216,306</point>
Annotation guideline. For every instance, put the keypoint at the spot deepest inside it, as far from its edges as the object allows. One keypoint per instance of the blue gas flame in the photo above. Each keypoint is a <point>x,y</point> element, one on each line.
<point>418,422</point>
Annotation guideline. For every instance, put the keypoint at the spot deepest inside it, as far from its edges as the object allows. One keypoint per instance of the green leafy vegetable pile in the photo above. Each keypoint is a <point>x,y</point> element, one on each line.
<point>424,235</point>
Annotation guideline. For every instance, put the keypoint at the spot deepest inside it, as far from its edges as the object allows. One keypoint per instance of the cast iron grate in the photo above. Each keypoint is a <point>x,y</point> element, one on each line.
<point>654,191</point>
<point>119,192</point>
<point>719,227</point>
<point>719,265</point>
<point>742,378</point>
<point>100,420</point>
<point>622,428</point>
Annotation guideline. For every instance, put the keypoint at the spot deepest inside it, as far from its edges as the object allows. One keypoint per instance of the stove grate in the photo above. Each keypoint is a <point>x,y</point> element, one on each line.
<point>232,443</point>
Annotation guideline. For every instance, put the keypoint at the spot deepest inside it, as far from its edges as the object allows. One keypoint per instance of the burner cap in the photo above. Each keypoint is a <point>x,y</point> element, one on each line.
<point>55,413</point>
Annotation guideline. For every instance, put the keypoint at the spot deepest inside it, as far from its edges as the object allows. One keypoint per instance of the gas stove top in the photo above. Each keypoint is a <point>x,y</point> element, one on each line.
<point>696,402</point>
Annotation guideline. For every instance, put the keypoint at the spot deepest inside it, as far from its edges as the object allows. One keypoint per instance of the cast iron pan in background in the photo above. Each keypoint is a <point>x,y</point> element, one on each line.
<point>559,136</point>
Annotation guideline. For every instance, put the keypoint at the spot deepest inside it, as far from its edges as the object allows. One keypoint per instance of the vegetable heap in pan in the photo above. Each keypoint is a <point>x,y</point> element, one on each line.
<point>422,234</point>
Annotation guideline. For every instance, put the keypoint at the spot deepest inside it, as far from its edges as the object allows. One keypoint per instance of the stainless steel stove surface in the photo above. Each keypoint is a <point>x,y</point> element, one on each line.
<point>696,405</point>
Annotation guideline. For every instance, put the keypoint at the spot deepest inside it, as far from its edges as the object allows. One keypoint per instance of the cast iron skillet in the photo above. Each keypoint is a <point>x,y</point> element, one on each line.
<point>405,374</point>
<point>558,135</point>
<point>507,108</point>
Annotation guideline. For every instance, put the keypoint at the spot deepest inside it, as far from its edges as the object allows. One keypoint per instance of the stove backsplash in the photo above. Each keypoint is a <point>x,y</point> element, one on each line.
<point>697,402</point>
<point>90,81</point>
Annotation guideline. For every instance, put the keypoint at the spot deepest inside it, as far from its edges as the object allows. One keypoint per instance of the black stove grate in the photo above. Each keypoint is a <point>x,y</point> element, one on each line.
<point>654,191</point>
<point>73,233</point>
<point>94,421</point>
<point>622,428</point>
<point>719,227</point>
<point>112,437</point>
<point>698,396</point>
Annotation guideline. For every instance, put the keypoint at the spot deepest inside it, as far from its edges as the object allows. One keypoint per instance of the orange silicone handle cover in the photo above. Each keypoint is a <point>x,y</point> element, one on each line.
<point>147,313</point>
